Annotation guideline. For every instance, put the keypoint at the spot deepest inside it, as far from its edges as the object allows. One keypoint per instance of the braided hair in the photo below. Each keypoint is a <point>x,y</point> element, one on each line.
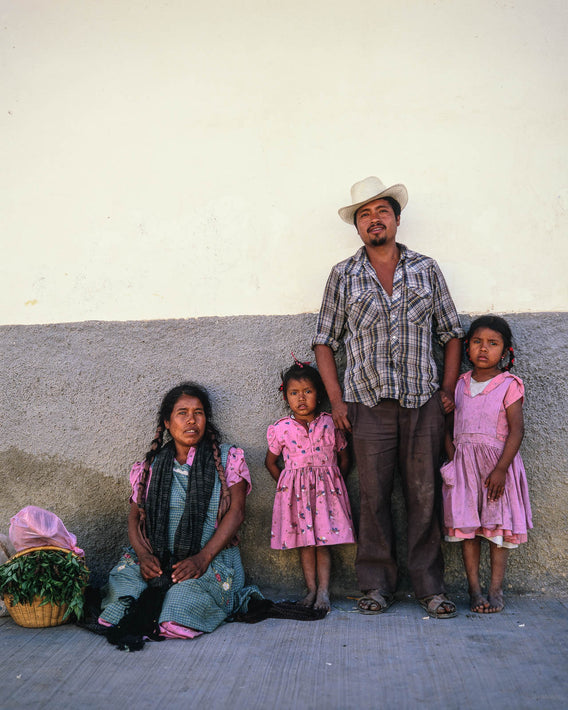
<point>191,389</point>
<point>499,325</point>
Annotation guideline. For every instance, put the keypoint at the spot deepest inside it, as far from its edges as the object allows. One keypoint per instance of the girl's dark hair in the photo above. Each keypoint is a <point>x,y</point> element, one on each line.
<point>499,325</point>
<point>191,389</point>
<point>299,371</point>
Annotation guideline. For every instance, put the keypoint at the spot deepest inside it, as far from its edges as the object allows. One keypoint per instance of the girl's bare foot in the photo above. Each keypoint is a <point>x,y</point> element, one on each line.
<point>309,599</point>
<point>322,600</point>
<point>496,603</point>
<point>478,603</point>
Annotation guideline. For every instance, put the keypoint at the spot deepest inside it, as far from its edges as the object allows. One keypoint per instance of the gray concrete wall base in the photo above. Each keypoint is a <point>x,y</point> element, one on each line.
<point>79,401</point>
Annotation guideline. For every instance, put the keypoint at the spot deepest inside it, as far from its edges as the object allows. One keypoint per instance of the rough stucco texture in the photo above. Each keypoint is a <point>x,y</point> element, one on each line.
<point>79,403</point>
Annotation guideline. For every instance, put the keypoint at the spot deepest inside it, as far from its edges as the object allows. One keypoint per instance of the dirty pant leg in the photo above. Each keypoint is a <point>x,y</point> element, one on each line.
<point>421,439</point>
<point>375,445</point>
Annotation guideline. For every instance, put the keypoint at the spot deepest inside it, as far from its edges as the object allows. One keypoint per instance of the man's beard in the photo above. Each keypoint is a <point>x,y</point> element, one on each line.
<point>378,241</point>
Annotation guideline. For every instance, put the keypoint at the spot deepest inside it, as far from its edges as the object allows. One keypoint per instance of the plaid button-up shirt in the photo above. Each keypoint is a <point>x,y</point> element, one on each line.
<point>388,340</point>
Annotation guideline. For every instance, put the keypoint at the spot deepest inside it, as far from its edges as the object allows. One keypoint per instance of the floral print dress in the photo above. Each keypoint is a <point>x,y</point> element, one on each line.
<point>311,506</point>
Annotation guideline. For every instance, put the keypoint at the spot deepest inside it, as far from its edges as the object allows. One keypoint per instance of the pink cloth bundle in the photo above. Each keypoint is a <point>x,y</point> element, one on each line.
<point>36,527</point>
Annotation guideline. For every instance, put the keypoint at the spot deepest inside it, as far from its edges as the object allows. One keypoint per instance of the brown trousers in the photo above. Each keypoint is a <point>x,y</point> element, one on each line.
<point>384,437</point>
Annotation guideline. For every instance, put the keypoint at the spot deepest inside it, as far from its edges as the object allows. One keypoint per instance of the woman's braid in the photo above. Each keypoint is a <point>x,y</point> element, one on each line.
<point>225,501</point>
<point>155,447</point>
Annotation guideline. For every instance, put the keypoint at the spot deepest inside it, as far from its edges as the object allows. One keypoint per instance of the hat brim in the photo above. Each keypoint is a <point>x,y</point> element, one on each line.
<point>398,192</point>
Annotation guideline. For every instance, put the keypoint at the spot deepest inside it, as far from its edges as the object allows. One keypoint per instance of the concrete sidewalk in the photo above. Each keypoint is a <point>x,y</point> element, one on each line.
<point>515,660</point>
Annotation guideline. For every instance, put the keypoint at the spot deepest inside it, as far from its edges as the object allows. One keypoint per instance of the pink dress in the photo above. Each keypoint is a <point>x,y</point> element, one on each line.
<point>311,506</point>
<point>480,431</point>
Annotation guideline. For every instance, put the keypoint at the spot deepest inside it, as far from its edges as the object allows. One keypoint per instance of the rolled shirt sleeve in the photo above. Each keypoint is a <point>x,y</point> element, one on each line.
<point>446,321</point>
<point>331,319</point>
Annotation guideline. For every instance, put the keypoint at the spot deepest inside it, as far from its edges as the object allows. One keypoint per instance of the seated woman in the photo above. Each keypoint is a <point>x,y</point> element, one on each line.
<point>188,501</point>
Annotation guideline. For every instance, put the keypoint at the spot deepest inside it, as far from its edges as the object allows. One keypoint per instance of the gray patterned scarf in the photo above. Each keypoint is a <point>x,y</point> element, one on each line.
<point>201,480</point>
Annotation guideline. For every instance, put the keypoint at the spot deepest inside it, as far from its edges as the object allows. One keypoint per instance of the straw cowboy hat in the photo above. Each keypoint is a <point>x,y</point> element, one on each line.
<point>370,189</point>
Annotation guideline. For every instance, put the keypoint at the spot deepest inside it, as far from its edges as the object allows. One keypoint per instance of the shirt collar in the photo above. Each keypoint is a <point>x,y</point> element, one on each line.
<point>360,258</point>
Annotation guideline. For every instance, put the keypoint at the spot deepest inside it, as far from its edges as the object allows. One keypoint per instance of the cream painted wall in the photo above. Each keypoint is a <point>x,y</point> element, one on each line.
<point>181,159</point>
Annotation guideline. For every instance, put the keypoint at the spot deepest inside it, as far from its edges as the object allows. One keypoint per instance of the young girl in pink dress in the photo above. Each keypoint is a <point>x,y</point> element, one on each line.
<point>485,488</point>
<point>311,507</point>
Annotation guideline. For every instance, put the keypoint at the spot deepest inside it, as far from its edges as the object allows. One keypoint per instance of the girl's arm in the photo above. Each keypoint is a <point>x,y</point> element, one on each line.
<point>495,482</point>
<point>149,563</point>
<point>344,461</point>
<point>271,463</point>
<point>449,437</point>
<point>195,566</point>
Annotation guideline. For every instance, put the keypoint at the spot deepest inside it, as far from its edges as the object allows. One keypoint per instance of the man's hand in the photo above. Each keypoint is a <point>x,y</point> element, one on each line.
<point>339,415</point>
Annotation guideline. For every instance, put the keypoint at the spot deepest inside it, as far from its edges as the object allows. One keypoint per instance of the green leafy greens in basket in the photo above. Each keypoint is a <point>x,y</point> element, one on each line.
<point>56,576</point>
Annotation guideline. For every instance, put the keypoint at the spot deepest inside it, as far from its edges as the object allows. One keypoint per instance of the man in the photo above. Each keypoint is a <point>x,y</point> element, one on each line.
<point>386,303</point>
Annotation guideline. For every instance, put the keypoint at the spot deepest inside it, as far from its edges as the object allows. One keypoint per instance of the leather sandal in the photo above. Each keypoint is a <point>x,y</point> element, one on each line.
<point>438,606</point>
<point>373,602</point>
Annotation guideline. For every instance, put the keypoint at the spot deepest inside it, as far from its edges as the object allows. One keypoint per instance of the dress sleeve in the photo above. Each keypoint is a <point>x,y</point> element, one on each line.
<point>274,441</point>
<point>516,391</point>
<point>236,469</point>
<point>135,475</point>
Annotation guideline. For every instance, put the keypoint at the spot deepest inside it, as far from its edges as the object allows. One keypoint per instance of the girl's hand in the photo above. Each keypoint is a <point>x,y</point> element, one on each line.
<point>271,463</point>
<point>344,461</point>
<point>449,437</point>
<point>149,566</point>
<point>495,483</point>
<point>190,568</point>
<point>447,401</point>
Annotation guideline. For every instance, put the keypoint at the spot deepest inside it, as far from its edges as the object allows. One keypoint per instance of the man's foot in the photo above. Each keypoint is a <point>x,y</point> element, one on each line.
<point>496,603</point>
<point>373,602</point>
<point>322,600</point>
<point>438,606</point>
<point>478,603</point>
<point>309,599</point>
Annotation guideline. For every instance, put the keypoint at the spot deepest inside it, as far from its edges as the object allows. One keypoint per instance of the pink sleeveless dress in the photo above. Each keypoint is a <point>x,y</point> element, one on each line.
<point>311,506</point>
<point>480,431</point>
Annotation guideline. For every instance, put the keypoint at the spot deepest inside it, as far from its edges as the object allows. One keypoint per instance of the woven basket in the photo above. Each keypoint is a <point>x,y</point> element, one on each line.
<point>34,616</point>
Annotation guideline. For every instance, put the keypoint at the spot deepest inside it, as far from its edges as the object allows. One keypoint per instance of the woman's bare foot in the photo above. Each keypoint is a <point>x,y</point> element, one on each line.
<point>322,600</point>
<point>496,603</point>
<point>309,599</point>
<point>478,603</point>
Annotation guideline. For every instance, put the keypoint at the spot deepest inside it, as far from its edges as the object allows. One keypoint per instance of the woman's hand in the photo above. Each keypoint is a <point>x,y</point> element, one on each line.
<point>190,568</point>
<point>149,566</point>
<point>495,483</point>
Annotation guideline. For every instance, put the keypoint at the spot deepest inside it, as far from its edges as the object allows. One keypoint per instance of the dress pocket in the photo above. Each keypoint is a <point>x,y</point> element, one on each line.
<point>448,472</point>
